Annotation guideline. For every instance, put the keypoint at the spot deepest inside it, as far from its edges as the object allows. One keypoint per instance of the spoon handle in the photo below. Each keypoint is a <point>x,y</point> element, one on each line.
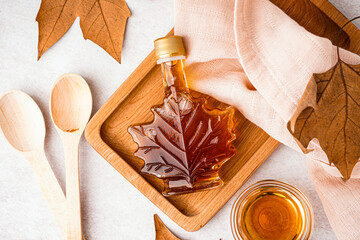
<point>50,187</point>
<point>73,208</point>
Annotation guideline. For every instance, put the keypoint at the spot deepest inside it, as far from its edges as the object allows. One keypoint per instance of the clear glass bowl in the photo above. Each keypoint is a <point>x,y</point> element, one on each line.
<point>261,187</point>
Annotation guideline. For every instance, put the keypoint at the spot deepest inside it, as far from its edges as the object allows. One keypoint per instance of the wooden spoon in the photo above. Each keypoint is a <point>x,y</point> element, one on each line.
<point>70,107</point>
<point>23,126</point>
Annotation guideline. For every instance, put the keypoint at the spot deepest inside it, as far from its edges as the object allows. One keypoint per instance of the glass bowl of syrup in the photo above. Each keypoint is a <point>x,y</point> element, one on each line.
<point>271,210</point>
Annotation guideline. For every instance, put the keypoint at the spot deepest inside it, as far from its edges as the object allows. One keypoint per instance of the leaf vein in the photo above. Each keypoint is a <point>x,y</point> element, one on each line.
<point>306,119</point>
<point>353,122</point>
<point>348,65</point>
<point>48,10</point>
<point>332,74</point>
<point>354,100</point>
<point>52,30</point>
<point>88,13</point>
<point>107,27</point>
<point>333,118</point>
<point>92,25</point>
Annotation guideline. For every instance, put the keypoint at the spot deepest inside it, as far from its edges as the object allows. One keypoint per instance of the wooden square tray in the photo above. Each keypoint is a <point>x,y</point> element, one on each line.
<point>107,130</point>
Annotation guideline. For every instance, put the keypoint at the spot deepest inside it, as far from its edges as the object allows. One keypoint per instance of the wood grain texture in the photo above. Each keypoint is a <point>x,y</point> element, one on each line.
<point>161,231</point>
<point>351,30</point>
<point>70,108</point>
<point>23,126</point>
<point>107,133</point>
<point>319,24</point>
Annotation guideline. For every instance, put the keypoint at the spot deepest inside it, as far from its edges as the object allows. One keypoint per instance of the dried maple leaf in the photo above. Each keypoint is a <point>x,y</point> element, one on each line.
<point>185,141</point>
<point>101,21</point>
<point>162,232</point>
<point>329,110</point>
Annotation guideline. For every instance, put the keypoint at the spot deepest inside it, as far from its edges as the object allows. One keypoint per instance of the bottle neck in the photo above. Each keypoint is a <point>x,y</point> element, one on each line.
<point>174,77</point>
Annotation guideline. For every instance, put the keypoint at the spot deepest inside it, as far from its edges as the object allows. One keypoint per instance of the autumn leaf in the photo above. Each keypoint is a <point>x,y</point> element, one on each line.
<point>101,21</point>
<point>329,110</point>
<point>162,232</point>
<point>54,19</point>
<point>182,143</point>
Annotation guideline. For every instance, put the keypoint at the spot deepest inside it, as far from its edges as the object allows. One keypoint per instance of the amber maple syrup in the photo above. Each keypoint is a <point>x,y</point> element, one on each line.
<point>271,210</point>
<point>272,215</point>
<point>187,142</point>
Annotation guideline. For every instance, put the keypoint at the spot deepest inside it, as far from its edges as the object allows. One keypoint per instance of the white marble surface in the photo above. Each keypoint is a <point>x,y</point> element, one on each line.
<point>112,208</point>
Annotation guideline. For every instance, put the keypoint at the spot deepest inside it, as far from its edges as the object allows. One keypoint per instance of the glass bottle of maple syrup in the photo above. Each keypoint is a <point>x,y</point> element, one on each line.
<point>187,143</point>
<point>271,210</point>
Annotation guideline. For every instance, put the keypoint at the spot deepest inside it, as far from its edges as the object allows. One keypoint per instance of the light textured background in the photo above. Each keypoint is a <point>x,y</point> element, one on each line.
<point>112,208</point>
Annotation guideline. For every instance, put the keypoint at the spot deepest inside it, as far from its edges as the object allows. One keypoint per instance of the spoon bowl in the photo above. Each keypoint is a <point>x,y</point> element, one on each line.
<point>70,103</point>
<point>21,121</point>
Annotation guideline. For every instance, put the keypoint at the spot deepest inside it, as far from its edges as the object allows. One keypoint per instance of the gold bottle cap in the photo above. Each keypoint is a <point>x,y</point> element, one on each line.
<point>167,47</point>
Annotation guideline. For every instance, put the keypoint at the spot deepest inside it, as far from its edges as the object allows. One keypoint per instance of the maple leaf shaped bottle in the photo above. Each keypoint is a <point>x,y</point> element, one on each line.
<point>186,143</point>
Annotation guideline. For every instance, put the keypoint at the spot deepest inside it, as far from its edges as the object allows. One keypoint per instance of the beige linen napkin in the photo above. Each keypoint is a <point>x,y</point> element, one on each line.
<point>250,54</point>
